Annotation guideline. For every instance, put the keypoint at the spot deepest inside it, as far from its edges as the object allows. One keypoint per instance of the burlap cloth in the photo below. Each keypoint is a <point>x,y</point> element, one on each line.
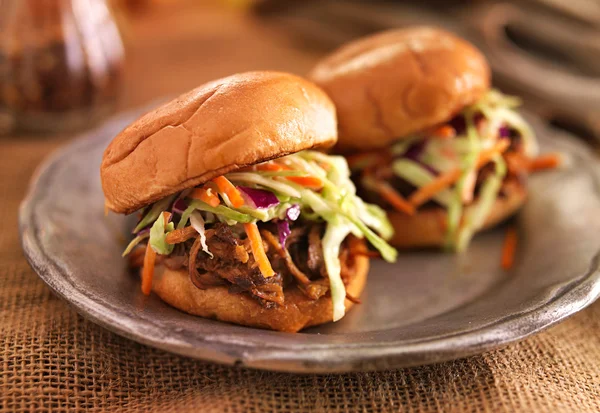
<point>54,360</point>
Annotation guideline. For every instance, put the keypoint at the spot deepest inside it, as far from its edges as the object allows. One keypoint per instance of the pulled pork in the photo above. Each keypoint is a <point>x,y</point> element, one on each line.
<point>298,264</point>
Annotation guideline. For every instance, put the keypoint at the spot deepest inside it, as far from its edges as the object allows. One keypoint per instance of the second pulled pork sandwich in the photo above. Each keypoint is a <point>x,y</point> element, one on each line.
<point>425,135</point>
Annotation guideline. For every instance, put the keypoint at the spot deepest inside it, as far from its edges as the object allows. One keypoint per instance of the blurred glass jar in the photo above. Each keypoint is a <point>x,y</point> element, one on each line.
<point>61,64</point>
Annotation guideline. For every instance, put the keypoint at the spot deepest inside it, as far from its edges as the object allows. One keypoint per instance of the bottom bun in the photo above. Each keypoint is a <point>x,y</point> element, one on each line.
<point>298,312</point>
<point>427,228</point>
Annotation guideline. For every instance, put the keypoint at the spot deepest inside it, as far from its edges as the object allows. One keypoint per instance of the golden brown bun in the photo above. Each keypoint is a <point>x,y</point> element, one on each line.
<point>221,126</point>
<point>427,228</point>
<point>395,83</point>
<point>298,312</point>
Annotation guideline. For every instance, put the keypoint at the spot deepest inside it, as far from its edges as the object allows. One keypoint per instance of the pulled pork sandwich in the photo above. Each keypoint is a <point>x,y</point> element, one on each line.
<point>425,136</point>
<point>238,219</point>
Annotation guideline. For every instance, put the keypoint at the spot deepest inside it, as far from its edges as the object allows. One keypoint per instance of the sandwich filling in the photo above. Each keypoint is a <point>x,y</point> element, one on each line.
<point>290,222</point>
<point>471,160</point>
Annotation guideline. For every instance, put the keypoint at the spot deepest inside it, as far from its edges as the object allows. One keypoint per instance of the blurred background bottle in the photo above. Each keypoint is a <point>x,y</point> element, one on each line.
<point>61,64</point>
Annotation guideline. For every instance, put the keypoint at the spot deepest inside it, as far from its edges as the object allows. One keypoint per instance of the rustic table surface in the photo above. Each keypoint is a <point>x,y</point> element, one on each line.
<point>51,359</point>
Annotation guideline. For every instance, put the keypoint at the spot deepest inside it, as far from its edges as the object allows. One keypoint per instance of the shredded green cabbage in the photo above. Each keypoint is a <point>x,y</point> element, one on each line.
<point>337,230</point>
<point>198,223</point>
<point>475,218</point>
<point>374,217</point>
<point>157,208</point>
<point>222,211</point>
<point>185,217</point>
<point>158,235</point>
<point>134,242</point>
<point>264,182</point>
<point>468,163</point>
<point>338,173</point>
<point>418,176</point>
<point>402,146</point>
<point>498,107</point>
<point>330,211</point>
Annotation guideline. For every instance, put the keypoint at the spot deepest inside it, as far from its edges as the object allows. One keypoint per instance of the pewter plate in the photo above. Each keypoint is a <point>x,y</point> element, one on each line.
<point>426,308</point>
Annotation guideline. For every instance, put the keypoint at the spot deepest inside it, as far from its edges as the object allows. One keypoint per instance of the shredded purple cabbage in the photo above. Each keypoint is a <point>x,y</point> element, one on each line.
<point>179,206</point>
<point>143,232</point>
<point>259,197</point>
<point>283,226</point>
<point>414,153</point>
<point>293,212</point>
<point>504,132</point>
<point>415,150</point>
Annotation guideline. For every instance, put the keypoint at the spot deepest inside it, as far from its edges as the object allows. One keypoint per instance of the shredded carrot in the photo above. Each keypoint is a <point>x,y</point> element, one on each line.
<point>271,166</point>
<point>548,161</point>
<point>393,197</point>
<point>149,261</point>
<point>444,132</point>
<point>308,181</point>
<point>230,190</point>
<point>148,270</point>
<point>509,248</point>
<point>486,155</point>
<point>516,163</point>
<point>425,193</point>
<point>445,180</point>
<point>258,250</point>
<point>206,195</point>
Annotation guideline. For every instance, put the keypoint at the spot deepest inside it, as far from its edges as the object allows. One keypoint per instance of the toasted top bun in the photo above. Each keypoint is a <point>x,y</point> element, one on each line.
<point>427,228</point>
<point>398,82</point>
<point>218,127</point>
<point>175,288</point>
